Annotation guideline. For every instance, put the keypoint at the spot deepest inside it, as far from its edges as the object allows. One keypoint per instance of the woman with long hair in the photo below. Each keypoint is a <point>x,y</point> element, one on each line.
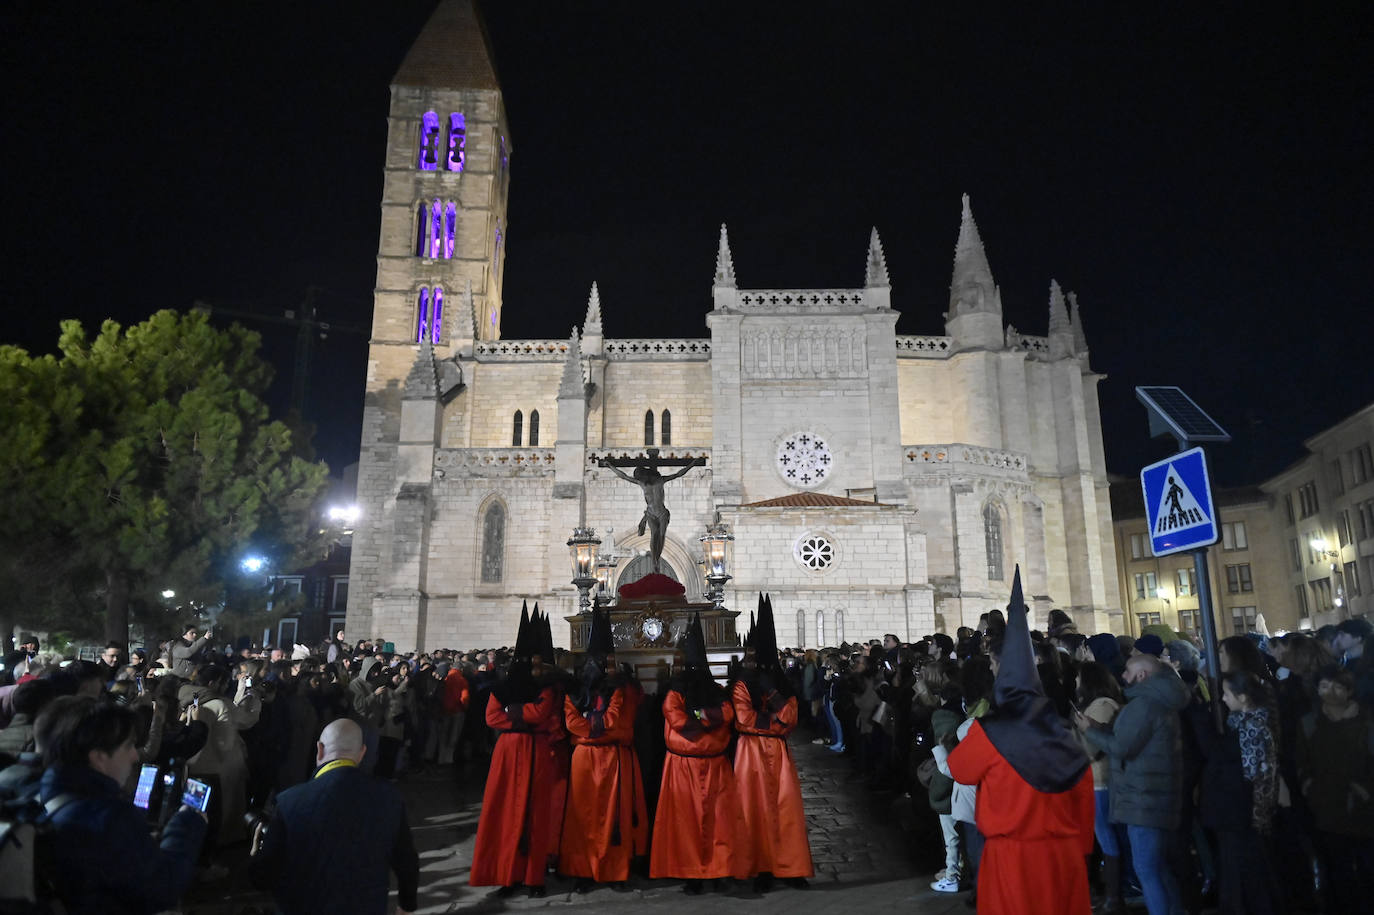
<point>1099,697</point>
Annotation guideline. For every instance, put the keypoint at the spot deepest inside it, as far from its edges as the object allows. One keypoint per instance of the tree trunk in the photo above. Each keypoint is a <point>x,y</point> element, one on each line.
<point>117,608</point>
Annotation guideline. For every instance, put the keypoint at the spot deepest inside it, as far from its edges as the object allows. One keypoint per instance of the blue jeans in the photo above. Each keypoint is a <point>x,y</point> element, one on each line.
<point>1102,824</point>
<point>1149,853</point>
<point>836,732</point>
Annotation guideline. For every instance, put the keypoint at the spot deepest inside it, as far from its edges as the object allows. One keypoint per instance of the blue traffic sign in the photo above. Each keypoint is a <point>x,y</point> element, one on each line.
<point>1178,503</point>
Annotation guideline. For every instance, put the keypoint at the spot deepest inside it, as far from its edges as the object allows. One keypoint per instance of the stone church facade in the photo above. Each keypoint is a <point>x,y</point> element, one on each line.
<point>873,482</point>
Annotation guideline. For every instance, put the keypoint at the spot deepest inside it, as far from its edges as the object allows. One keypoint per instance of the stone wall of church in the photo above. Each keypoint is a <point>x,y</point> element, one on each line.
<point>632,388</point>
<point>496,390</point>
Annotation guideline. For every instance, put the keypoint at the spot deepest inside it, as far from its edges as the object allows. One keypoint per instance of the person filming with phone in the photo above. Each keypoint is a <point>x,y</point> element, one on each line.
<point>104,856</point>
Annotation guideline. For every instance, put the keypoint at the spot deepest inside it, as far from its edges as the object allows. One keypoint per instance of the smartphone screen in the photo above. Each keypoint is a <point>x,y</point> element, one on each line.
<point>146,777</point>
<point>197,794</point>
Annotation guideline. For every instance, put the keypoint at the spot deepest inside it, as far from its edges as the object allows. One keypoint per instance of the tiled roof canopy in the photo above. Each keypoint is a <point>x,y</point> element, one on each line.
<point>809,500</point>
<point>451,52</point>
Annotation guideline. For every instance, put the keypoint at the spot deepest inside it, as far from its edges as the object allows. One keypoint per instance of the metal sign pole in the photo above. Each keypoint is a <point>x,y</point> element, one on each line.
<point>1209,636</point>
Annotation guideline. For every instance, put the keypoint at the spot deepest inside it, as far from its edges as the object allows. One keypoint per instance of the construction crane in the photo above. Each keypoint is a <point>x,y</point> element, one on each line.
<point>308,326</point>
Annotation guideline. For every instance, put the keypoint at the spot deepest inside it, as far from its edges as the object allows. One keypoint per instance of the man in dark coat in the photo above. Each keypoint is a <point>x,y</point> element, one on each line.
<point>340,822</point>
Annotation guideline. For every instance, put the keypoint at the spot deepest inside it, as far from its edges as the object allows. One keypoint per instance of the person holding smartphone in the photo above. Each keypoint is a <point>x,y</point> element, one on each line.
<point>103,852</point>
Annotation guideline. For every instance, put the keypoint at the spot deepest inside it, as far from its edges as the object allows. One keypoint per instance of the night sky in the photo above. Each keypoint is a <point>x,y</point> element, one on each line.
<point>1200,177</point>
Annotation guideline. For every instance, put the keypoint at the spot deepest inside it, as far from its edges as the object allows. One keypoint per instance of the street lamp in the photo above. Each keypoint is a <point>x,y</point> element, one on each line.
<point>716,546</point>
<point>168,594</point>
<point>252,564</point>
<point>582,546</point>
<point>605,572</point>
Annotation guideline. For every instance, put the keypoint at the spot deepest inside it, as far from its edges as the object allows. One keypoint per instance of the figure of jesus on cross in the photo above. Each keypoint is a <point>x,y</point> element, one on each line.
<point>648,479</point>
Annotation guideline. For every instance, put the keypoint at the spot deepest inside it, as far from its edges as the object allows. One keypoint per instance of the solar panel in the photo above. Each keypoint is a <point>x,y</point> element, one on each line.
<point>1174,413</point>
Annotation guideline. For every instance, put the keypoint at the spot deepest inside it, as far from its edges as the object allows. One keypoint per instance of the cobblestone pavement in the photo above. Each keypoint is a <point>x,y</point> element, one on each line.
<point>868,847</point>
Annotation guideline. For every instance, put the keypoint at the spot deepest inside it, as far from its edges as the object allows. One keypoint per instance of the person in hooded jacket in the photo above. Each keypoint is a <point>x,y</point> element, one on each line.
<point>699,830</point>
<point>1144,743</point>
<point>604,805</point>
<point>1035,790</point>
<point>765,775</point>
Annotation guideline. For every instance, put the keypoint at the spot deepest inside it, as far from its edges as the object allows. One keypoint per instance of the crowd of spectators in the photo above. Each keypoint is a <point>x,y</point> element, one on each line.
<point>1260,803</point>
<point>1265,807</point>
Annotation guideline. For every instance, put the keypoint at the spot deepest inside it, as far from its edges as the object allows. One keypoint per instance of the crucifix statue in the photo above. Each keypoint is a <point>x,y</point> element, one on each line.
<point>648,479</point>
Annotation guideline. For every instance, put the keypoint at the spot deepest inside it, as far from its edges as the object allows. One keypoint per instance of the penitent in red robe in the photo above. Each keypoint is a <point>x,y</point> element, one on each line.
<point>698,825</point>
<point>515,835</point>
<point>769,790</point>
<point>629,762</point>
<point>600,820</point>
<point>1033,860</point>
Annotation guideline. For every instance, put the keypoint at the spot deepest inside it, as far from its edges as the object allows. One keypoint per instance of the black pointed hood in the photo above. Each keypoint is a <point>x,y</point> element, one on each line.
<point>522,635</point>
<point>694,645</point>
<point>518,684</point>
<point>543,637</point>
<point>1026,729</point>
<point>600,641</point>
<point>698,688</point>
<point>766,643</point>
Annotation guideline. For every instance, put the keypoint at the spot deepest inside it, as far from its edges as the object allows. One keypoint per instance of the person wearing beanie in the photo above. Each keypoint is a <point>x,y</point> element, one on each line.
<point>1035,789</point>
<point>1150,644</point>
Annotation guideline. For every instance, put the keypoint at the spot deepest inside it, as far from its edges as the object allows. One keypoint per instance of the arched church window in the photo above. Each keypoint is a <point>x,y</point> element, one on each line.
<point>496,250</point>
<point>422,230</point>
<point>518,430</point>
<point>494,543</point>
<point>436,230</point>
<point>648,428</point>
<point>422,319</point>
<point>429,142</point>
<point>820,628</point>
<point>992,537</point>
<point>436,315</point>
<point>450,228</point>
<point>801,629</point>
<point>534,428</point>
<point>839,626</point>
<point>457,141</point>
<point>665,429</point>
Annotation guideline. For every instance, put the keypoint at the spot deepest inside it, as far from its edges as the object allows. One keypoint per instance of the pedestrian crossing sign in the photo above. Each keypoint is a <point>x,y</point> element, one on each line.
<point>1178,503</point>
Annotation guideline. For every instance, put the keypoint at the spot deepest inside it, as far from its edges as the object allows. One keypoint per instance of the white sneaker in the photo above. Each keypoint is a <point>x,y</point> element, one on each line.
<point>945,885</point>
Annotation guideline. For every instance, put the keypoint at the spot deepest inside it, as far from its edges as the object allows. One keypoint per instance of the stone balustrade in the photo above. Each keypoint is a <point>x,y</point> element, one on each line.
<point>1040,345</point>
<point>520,349</point>
<point>652,349</point>
<point>965,454</point>
<point>594,455</point>
<point>782,300</point>
<point>488,462</point>
<point>924,346</point>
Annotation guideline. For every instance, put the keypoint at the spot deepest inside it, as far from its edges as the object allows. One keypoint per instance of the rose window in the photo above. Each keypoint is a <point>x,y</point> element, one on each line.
<point>804,460</point>
<point>815,552</point>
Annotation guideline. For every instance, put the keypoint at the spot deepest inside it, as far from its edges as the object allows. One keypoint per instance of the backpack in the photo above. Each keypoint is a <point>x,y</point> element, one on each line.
<point>28,878</point>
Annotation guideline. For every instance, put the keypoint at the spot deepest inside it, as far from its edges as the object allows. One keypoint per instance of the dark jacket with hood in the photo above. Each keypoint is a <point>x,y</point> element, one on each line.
<point>1146,750</point>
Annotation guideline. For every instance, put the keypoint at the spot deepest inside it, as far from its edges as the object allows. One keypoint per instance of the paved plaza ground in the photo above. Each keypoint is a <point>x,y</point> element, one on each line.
<point>868,847</point>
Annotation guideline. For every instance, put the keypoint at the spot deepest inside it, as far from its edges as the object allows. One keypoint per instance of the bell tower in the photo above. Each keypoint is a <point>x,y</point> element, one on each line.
<point>439,266</point>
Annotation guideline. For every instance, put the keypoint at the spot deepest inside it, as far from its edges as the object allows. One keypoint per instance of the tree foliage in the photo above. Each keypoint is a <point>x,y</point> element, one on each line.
<point>142,459</point>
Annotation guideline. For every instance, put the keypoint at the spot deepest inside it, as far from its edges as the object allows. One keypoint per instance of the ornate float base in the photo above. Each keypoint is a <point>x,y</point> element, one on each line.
<point>647,632</point>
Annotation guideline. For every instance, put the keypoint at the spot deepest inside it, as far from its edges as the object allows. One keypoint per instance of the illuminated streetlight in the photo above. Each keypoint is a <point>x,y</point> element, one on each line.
<point>344,514</point>
<point>253,564</point>
<point>169,594</point>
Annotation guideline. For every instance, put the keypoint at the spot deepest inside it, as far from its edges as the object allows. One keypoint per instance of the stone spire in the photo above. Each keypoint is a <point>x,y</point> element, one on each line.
<point>1080,341</point>
<point>423,381</point>
<point>467,315</point>
<point>591,324</point>
<point>573,384</point>
<point>1059,314</point>
<point>876,273</point>
<point>725,264</point>
<point>971,288</point>
<point>451,51</point>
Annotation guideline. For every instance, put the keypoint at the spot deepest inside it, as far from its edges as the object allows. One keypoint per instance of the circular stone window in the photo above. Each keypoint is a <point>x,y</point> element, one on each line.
<point>804,460</point>
<point>816,552</point>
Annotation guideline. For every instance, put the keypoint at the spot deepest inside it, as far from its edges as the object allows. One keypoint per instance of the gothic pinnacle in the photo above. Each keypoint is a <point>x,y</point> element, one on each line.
<point>971,286</point>
<point>1080,341</point>
<point>572,384</point>
<point>591,324</point>
<point>725,264</point>
<point>876,272</point>
<point>423,381</point>
<point>1059,314</point>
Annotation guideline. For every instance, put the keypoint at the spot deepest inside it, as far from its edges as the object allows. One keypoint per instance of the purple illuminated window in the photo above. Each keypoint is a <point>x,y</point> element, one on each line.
<point>429,142</point>
<point>457,141</point>
<point>436,323</point>
<point>450,228</point>
<point>422,230</point>
<point>436,230</point>
<point>496,250</point>
<point>505,163</point>
<point>422,324</point>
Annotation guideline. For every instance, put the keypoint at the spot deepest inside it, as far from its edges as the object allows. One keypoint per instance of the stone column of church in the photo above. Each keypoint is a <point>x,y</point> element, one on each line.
<point>1035,568</point>
<point>398,610</point>
<point>917,593</point>
<point>727,433</point>
<point>567,508</point>
<point>970,555</point>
